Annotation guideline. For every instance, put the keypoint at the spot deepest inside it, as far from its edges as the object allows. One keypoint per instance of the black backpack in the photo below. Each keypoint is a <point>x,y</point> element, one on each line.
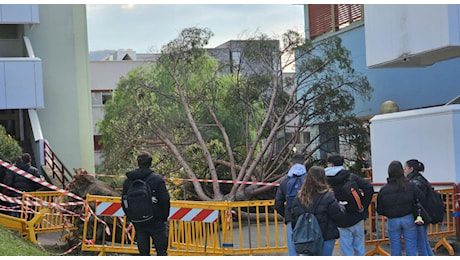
<point>353,195</point>
<point>307,235</point>
<point>140,203</point>
<point>435,206</point>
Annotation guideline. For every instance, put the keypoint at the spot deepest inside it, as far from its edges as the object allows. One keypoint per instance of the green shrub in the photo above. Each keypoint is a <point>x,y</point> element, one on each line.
<point>9,147</point>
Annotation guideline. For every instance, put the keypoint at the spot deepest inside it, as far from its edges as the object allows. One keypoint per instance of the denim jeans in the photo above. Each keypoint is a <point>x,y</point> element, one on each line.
<point>406,227</point>
<point>351,240</point>
<point>423,246</point>
<point>328,247</point>
<point>290,243</point>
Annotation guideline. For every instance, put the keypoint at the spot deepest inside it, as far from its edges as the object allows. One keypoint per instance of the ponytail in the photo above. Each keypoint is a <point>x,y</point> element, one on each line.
<point>416,165</point>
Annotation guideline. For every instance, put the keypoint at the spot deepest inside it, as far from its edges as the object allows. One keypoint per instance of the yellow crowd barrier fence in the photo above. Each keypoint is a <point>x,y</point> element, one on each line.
<point>239,228</point>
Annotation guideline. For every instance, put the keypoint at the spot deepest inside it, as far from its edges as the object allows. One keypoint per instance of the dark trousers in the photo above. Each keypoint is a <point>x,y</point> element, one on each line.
<point>159,234</point>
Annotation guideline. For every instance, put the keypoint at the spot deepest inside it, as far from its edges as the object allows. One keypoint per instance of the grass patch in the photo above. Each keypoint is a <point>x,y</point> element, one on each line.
<point>14,245</point>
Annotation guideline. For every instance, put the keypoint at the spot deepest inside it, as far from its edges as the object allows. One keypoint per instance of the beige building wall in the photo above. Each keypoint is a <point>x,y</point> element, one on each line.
<point>60,40</point>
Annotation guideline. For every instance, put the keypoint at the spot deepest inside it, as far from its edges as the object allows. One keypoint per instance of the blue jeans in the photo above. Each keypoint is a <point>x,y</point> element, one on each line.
<point>402,226</point>
<point>328,247</point>
<point>351,240</point>
<point>290,243</point>
<point>423,246</point>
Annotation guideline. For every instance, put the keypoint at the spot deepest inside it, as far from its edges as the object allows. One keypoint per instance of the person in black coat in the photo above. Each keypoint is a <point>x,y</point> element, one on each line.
<point>156,228</point>
<point>316,190</point>
<point>412,169</point>
<point>351,226</point>
<point>396,201</point>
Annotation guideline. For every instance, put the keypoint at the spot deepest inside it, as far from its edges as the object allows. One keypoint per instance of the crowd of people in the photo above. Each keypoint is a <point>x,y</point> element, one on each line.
<point>325,191</point>
<point>322,191</point>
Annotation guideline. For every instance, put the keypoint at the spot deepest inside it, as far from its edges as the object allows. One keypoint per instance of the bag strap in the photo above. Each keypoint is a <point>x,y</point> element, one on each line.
<point>317,203</point>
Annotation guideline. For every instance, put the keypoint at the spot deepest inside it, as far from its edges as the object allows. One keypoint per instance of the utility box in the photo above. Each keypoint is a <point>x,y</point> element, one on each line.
<point>430,135</point>
<point>411,35</point>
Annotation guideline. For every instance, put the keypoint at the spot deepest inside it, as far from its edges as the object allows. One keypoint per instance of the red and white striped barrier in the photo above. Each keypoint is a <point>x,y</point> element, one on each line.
<point>193,214</point>
<point>109,209</point>
<point>185,214</point>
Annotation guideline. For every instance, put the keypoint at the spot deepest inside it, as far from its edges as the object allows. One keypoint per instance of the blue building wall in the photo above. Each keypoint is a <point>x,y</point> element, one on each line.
<point>409,87</point>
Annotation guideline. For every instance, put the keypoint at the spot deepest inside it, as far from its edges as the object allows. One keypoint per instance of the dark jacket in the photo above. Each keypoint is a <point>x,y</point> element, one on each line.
<point>21,183</point>
<point>280,199</point>
<point>337,181</point>
<point>393,202</point>
<point>421,182</point>
<point>156,183</point>
<point>327,212</point>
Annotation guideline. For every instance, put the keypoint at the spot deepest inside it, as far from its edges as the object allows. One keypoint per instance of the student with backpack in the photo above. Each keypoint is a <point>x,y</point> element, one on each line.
<point>433,204</point>
<point>395,201</point>
<point>146,203</point>
<point>286,193</point>
<point>317,198</point>
<point>356,194</point>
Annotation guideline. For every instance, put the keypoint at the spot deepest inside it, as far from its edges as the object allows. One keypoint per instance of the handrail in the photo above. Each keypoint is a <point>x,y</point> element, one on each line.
<point>59,170</point>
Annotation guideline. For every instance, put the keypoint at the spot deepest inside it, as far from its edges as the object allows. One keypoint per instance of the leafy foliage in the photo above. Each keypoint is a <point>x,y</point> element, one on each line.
<point>9,147</point>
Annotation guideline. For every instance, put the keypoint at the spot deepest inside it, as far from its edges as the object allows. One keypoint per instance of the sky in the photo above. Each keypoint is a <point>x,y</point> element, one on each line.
<point>145,28</point>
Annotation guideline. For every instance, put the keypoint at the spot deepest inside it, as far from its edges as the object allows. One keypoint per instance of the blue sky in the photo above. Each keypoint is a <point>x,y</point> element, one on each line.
<point>146,28</point>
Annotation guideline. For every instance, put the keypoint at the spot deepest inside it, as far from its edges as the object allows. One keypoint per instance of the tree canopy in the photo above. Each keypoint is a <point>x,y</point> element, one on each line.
<point>206,119</point>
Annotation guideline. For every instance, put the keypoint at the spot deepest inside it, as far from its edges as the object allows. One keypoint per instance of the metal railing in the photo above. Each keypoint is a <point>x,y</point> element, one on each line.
<point>60,172</point>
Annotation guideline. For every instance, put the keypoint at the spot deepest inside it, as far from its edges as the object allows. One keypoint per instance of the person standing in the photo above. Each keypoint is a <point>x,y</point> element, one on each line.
<point>155,227</point>
<point>351,227</point>
<point>396,200</point>
<point>20,182</point>
<point>286,193</point>
<point>412,169</point>
<point>316,194</point>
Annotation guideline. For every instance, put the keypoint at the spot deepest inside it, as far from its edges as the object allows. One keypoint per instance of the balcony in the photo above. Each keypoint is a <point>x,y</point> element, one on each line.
<point>19,14</point>
<point>21,83</point>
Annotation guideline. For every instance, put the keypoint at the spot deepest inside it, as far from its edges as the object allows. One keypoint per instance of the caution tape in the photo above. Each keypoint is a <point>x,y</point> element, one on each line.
<point>38,180</point>
<point>259,183</point>
<point>40,201</point>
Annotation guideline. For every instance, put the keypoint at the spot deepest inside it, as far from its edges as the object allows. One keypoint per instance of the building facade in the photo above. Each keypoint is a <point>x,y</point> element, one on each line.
<point>44,81</point>
<point>409,87</point>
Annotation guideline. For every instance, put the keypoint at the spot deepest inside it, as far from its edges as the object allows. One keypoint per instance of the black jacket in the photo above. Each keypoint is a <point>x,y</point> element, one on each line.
<point>337,181</point>
<point>327,212</point>
<point>393,202</point>
<point>421,183</point>
<point>21,183</point>
<point>156,183</point>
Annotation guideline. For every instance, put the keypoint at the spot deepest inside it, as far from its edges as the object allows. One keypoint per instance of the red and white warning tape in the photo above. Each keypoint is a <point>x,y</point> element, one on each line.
<point>259,183</point>
<point>37,180</point>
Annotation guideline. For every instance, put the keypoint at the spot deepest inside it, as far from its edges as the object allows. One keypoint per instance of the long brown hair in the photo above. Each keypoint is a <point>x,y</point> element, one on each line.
<point>315,183</point>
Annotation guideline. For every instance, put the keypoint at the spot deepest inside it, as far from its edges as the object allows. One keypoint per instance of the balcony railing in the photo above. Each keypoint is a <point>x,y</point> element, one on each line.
<point>330,18</point>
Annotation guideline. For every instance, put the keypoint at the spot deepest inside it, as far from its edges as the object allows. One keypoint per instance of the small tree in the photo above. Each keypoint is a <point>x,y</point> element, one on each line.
<point>9,147</point>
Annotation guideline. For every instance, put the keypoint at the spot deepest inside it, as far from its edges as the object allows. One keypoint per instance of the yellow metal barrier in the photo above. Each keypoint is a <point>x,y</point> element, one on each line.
<point>54,220</point>
<point>242,228</point>
<point>24,227</point>
<point>376,235</point>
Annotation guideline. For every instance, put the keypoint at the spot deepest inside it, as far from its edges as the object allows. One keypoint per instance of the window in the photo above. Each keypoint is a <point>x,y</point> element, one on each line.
<point>97,142</point>
<point>100,97</point>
